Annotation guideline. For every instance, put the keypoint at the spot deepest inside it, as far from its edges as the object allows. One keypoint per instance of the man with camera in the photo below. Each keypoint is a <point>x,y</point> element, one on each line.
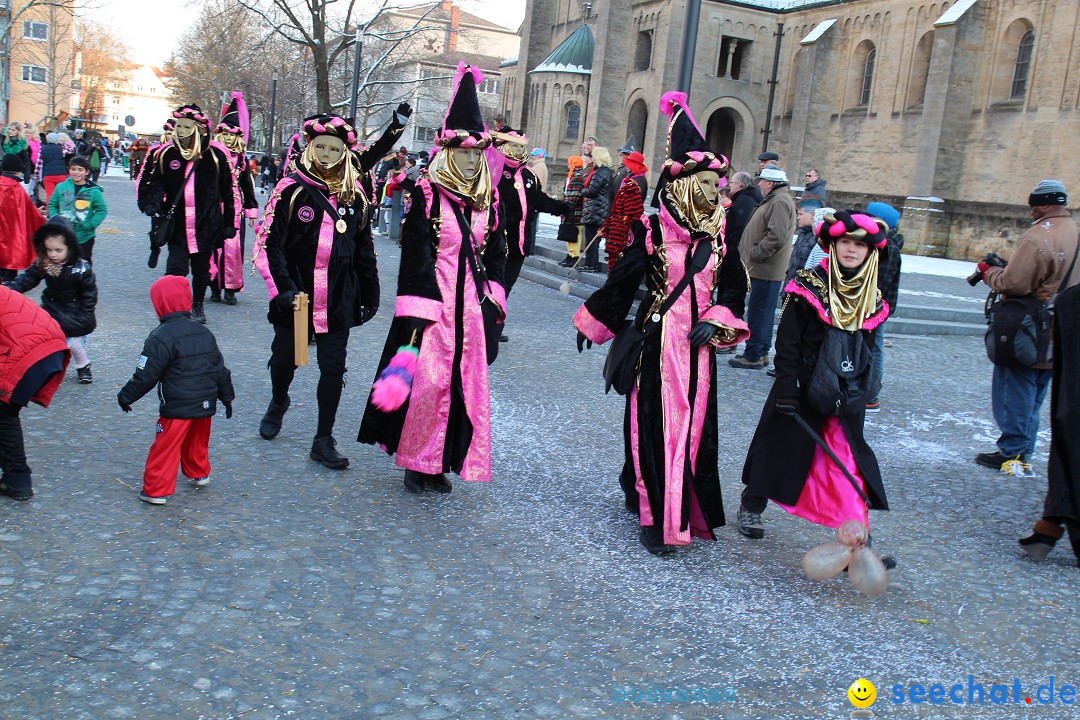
<point>1043,258</point>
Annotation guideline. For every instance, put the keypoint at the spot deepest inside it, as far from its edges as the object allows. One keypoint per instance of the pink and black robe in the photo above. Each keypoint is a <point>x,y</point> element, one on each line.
<point>205,207</point>
<point>670,430</point>
<point>784,463</point>
<point>227,262</point>
<point>298,248</point>
<point>445,425</point>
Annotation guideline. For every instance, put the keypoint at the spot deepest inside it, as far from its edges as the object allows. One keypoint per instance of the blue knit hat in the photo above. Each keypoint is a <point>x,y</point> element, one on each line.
<point>884,211</point>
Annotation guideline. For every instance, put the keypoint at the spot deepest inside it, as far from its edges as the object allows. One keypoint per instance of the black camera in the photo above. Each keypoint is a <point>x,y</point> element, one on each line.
<point>991,259</point>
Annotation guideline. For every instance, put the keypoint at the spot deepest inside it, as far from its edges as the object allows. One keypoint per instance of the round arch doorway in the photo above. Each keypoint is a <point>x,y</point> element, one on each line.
<point>723,130</point>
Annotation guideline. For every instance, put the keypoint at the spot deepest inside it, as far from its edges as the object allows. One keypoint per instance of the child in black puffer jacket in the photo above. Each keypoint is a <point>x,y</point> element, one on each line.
<point>70,294</point>
<point>182,359</point>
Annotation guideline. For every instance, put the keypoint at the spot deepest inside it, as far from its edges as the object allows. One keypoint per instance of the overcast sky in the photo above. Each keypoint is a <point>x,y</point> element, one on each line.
<point>150,27</point>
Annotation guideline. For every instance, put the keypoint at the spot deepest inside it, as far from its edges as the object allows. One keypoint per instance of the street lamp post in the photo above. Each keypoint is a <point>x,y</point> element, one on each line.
<point>273,104</point>
<point>689,44</point>
<point>359,50</point>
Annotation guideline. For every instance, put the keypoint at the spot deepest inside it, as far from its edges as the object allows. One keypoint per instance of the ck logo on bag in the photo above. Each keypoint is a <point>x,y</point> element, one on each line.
<point>847,366</point>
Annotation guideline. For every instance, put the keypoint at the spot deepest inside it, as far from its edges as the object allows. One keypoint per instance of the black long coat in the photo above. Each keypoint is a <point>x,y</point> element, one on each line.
<point>510,208</point>
<point>1063,468</point>
<point>781,452</point>
<point>292,243</point>
<point>162,183</point>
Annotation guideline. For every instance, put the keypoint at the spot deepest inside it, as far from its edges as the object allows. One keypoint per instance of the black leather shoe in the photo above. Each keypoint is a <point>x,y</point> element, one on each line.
<point>324,450</point>
<point>230,297</point>
<point>271,422</point>
<point>440,484</point>
<point>653,540</point>
<point>504,338</point>
<point>215,296</point>
<point>414,481</point>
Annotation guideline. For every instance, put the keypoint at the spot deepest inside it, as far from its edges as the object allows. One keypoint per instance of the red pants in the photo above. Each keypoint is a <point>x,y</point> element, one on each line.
<point>49,182</point>
<point>178,441</point>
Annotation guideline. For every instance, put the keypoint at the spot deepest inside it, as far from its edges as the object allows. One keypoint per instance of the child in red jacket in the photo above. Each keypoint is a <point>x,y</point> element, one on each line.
<point>33,358</point>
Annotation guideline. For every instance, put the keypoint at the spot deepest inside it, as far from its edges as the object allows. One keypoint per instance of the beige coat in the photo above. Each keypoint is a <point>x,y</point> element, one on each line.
<point>1042,256</point>
<point>765,247</point>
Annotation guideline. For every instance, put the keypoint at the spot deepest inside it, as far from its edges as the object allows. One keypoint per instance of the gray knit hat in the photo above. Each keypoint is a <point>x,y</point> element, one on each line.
<point>1048,192</point>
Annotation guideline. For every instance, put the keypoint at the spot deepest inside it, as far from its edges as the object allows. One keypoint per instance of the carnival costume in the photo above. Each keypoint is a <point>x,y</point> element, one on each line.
<point>784,463</point>
<point>193,175</point>
<point>450,242</point>
<point>227,262</point>
<point>521,200</point>
<point>315,239</point>
<point>670,429</point>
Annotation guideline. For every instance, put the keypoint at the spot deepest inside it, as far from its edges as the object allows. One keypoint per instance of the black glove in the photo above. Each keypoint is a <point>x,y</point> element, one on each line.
<point>367,312</point>
<point>228,410</point>
<point>583,342</point>
<point>787,406</point>
<point>284,300</point>
<point>155,252</point>
<point>403,113</point>
<point>230,232</point>
<point>702,333</point>
<point>124,406</point>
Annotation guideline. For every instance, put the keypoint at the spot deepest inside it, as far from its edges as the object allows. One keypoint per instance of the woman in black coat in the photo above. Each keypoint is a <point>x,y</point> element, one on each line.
<point>599,192</point>
<point>784,463</point>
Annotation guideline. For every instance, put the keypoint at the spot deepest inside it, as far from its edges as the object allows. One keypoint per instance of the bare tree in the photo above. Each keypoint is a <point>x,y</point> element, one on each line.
<point>102,60</point>
<point>326,35</point>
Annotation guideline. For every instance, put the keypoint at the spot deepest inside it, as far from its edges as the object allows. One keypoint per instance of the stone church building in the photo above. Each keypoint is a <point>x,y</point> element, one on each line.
<point>951,111</point>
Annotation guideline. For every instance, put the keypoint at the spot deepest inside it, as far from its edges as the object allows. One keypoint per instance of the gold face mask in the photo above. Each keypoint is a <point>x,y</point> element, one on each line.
<point>690,196</point>
<point>463,171</point>
<point>514,151</point>
<point>231,141</point>
<point>327,159</point>
<point>188,139</point>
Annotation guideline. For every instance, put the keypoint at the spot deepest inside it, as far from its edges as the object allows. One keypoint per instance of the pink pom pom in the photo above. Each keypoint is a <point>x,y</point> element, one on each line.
<point>404,359</point>
<point>390,393</point>
<point>669,100</point>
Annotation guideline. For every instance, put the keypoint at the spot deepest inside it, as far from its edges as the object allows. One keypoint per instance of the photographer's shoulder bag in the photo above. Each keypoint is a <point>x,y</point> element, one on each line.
<point>621,365</point>
<point>1018,328</point>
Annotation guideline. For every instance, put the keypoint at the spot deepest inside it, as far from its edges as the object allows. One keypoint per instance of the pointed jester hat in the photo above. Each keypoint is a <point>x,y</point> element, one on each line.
<point>687,150</point>
<point>463,126</point>
<point>234,116</point>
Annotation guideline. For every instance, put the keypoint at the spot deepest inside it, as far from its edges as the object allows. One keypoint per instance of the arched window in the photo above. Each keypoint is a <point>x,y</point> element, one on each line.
<point>920,70</point>
<point>867,78</point>
<point>637,122</point>
<point>573,121</point>
<point>643,51</point>
<point>1023,65</point>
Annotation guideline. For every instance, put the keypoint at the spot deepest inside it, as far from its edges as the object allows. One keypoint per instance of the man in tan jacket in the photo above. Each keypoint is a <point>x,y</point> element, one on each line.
<point>1043,256</point>
<point>765,248</point>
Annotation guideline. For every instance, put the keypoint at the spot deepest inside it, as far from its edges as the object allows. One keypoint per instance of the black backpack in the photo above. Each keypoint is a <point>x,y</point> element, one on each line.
<point>844,378</point>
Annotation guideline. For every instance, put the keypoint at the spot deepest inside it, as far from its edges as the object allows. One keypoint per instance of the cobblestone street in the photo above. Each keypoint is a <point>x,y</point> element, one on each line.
<point>286,590</point>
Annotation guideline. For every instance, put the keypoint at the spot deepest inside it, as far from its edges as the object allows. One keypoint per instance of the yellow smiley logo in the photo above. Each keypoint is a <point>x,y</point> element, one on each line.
<point>862,693</point>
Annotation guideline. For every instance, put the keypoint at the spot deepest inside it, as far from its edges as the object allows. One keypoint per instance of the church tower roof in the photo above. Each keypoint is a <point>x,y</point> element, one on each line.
<point>573,55</point>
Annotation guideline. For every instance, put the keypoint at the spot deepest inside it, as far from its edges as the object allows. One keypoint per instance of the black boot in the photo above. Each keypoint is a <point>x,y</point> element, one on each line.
<point>197,313</point>
<point>440,484</point>
<point>414,481</point>
<point>653,540</point>
<point>230,297</point>
<point>215,295</point>
<point>1037,546</point>
<point>271,422</point>
<point>324,450</point>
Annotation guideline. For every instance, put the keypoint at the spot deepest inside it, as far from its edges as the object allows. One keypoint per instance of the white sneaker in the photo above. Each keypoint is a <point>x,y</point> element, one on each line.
<point>201,482</point>
<point>153,500</point>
